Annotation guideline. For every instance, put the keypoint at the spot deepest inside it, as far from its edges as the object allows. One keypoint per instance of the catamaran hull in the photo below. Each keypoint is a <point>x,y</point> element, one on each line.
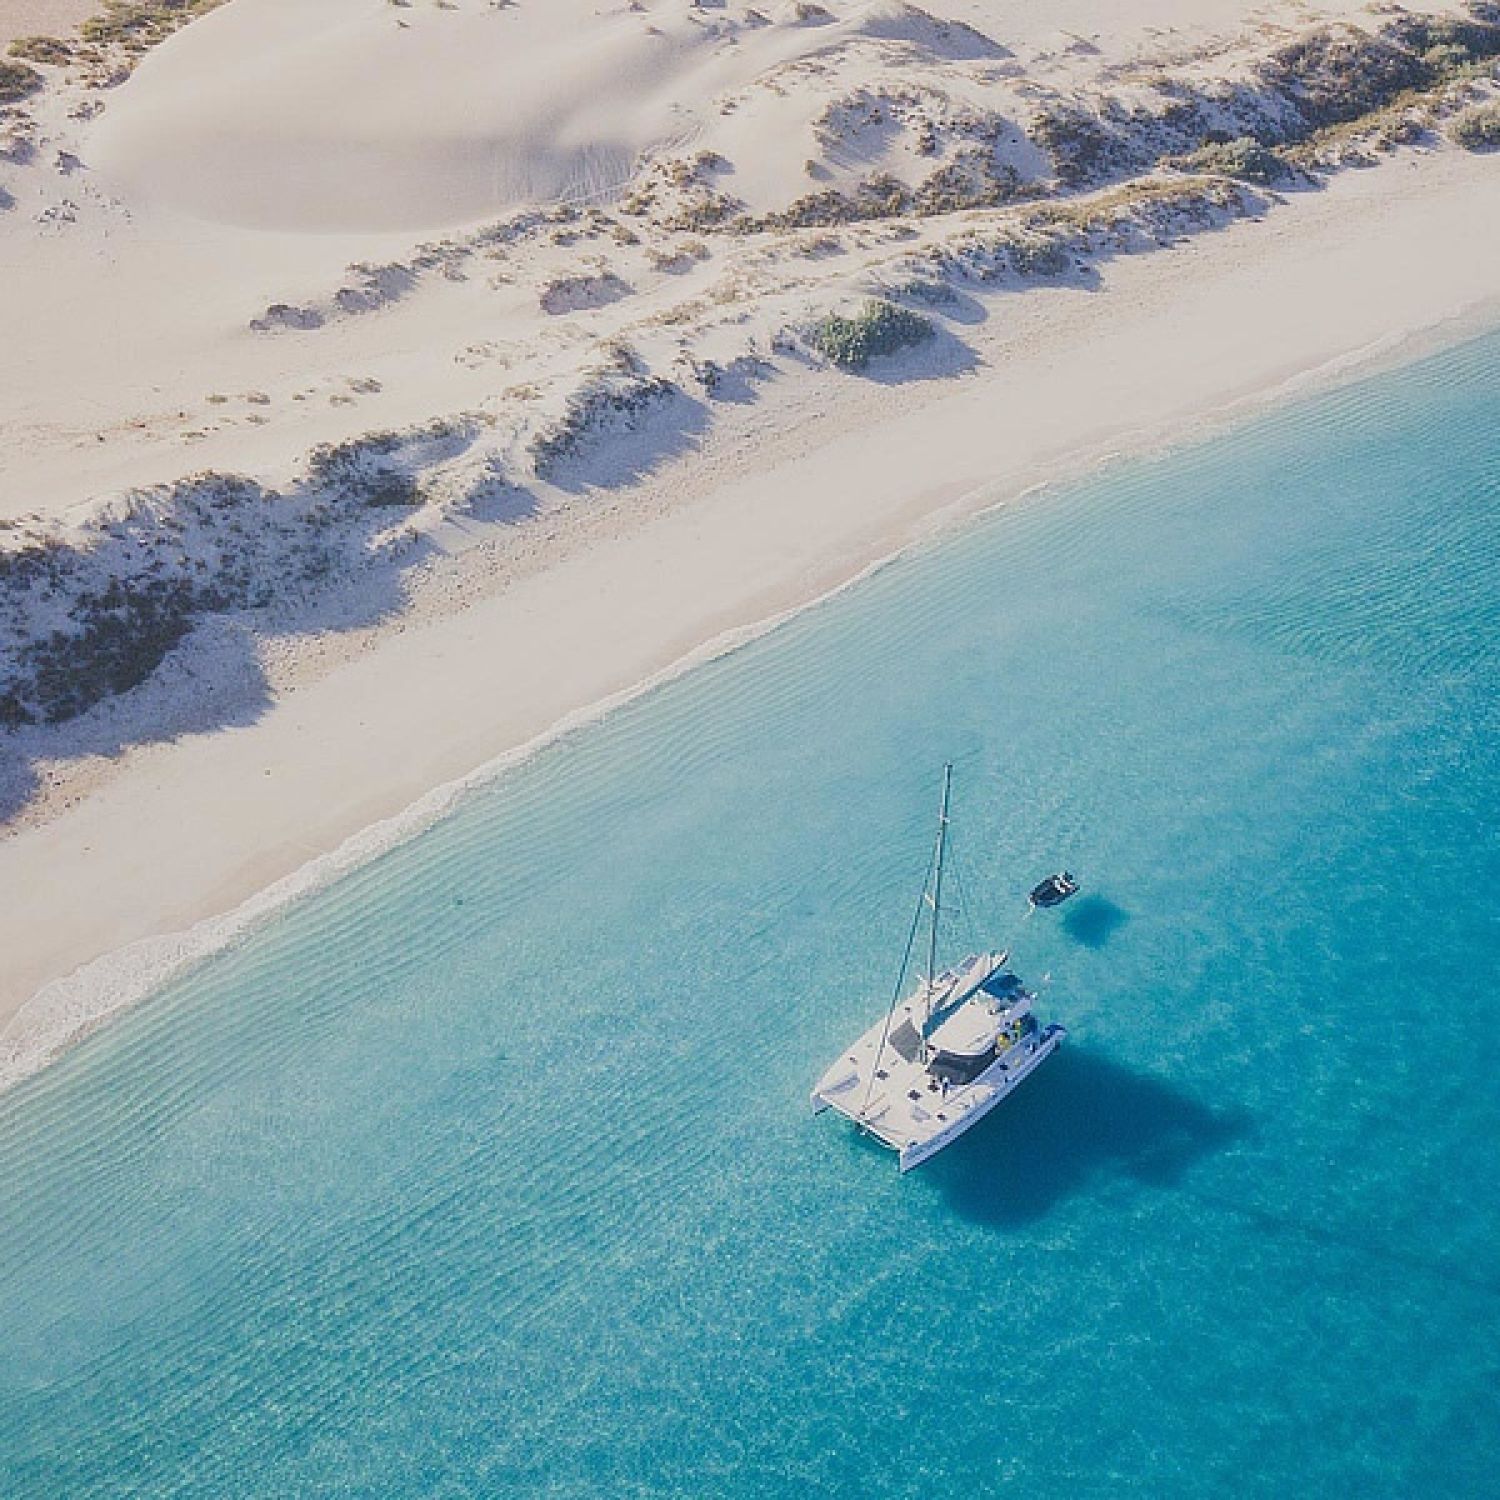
<point>1004,1086</point>
<point>919,1133</point>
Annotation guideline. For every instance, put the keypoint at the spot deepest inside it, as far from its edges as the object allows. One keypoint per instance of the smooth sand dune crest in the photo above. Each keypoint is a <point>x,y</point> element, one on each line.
<point>354,114</point>
<point>269,115</point>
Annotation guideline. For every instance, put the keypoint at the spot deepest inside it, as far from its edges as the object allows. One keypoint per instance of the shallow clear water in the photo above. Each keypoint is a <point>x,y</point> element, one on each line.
<point>489,1171</point>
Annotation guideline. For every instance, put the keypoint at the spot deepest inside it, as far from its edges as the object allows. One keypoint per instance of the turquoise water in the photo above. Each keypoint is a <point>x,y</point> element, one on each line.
<point>489,1170</point>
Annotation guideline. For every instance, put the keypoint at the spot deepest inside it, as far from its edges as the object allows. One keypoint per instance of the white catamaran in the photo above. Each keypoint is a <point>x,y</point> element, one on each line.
<point>944,1057</point>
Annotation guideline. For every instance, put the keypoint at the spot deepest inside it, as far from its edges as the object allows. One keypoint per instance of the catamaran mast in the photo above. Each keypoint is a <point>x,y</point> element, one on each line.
<point>932,894</point>
<point>935,899</point>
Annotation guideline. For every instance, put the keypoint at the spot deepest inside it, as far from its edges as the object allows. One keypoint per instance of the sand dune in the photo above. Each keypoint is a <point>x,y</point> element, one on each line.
<point>360,115</point>
<point>364,115</point>
<point>271,113</point>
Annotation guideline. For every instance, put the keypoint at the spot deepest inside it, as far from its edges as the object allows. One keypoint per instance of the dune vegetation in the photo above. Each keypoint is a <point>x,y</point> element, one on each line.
<point>879,328</point>
<point>138,25</point>
<point>17,80</point>
<point>1478,128</point>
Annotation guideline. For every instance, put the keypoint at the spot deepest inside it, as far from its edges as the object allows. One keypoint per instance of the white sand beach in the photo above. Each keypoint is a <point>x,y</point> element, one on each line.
<point>554,277</point>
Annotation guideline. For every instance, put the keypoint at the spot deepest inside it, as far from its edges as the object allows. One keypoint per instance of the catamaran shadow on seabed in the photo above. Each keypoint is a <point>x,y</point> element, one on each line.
<point>944,1057</point>
<point>1095,1121</point>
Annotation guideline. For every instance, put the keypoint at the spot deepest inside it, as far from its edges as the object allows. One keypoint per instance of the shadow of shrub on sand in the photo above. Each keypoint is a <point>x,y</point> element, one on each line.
<point>593,448</point>
<point>942,356</point>
<point>155,626</point>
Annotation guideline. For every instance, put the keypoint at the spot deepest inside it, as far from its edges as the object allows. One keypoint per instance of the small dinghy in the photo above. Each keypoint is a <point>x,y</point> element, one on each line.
<point>1054,890</point>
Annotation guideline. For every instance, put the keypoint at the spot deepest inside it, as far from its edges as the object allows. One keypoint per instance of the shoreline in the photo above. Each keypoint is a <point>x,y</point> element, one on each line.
<point>190,844</point>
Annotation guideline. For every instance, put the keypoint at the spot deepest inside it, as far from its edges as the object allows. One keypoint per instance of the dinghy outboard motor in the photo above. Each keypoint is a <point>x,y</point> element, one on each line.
<point>1054,890</point>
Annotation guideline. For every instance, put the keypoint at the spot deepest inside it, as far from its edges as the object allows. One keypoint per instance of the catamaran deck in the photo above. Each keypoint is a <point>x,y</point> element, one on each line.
<point>884,1083</point>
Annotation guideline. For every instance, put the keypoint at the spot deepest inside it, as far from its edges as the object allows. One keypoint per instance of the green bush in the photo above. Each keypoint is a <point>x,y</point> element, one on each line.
<point>1477,129</point>
<point>1244,159</point>
<point>878,328</point>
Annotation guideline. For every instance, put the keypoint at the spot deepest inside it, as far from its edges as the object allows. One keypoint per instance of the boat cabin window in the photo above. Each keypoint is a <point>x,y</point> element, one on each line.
<point>1003,986</point>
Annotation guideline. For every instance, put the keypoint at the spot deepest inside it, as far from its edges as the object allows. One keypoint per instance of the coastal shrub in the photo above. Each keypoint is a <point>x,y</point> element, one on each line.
<point>13,712</point>
<point>17,80</point>
<point>1038,255</point>
<point>48,50</point>
<point>1052,238</point>
<point>616,399</point>
<point>579,293</point>
<point>882,197</point>
<point>377,469</point>
<point>814,211</point>
<point>973,179</point>
<point>392,488</point>
<point>1449,42</point>
<point>1108,218</point>
<point>1477,129</point>
<point>928,290</point>
<point>124,637</point>
<point>135,26</point>
<point>1339,73</point>
<point>706,209</point>
<point>1243,158</point>
<point>282,315</point>
<point>1083,150</point>
<point>878,328</point>
<point>21,567</point>
<point>92,614</point>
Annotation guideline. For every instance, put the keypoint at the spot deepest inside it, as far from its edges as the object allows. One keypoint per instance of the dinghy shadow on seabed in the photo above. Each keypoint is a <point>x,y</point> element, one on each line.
<point>1094,920</point>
